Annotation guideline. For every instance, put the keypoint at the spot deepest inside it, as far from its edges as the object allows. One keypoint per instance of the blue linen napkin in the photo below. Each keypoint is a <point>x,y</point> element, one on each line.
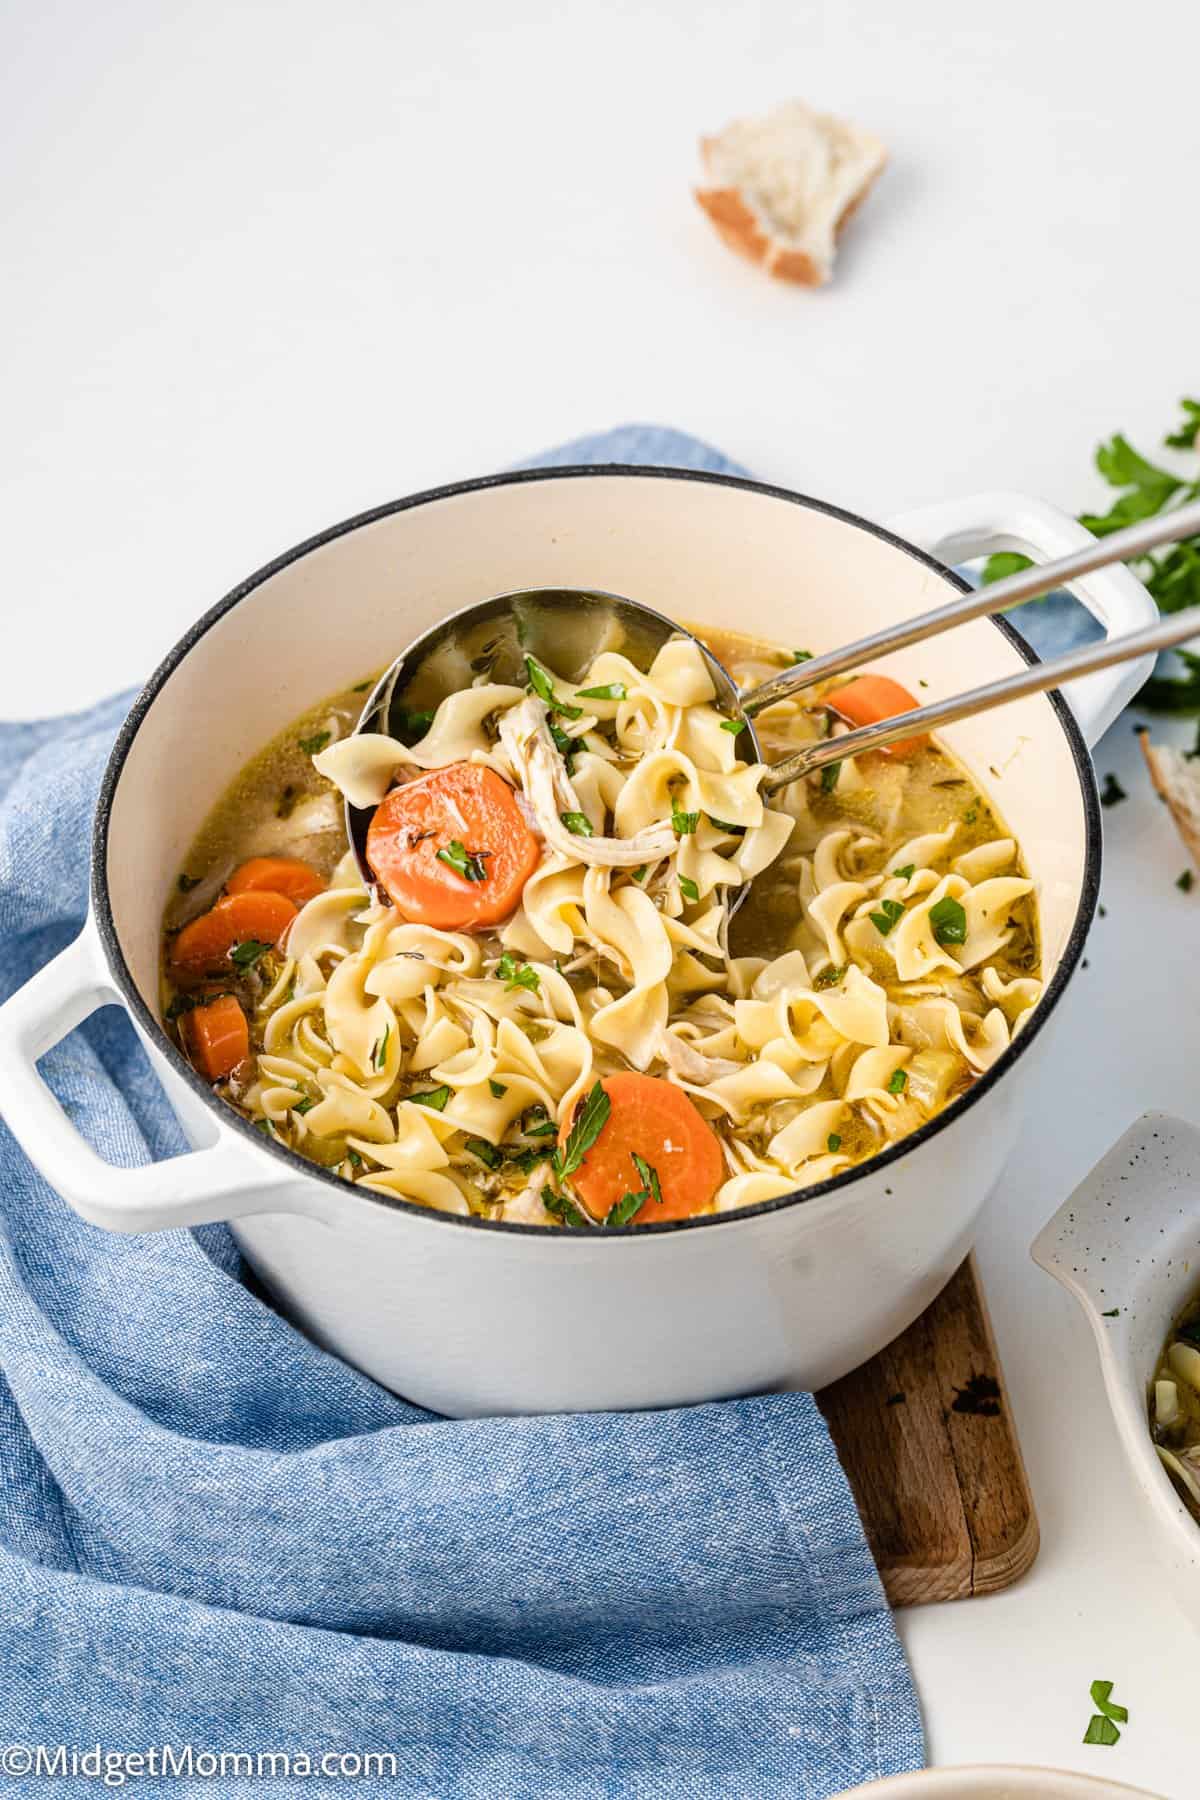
<point>214,1535</point>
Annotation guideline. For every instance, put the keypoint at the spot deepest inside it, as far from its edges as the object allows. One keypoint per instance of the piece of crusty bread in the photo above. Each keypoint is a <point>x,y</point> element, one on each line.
<point>1177,778</point>
<point>782,187</point>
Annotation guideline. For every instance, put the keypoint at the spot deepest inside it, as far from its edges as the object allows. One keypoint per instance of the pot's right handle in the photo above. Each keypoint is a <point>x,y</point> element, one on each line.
<point>227,1179</point>
<point>956,530</point>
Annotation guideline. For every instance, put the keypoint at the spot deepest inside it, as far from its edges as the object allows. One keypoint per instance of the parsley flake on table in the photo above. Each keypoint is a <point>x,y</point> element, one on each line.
<point>1102,1726</point>
<point>1112,793</point>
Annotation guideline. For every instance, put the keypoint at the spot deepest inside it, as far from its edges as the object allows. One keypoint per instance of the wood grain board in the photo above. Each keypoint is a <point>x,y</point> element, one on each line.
<point>926,1437</point>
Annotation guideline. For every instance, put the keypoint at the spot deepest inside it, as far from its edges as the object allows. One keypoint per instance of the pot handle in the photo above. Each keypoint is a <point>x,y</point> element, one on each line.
<point>955,530</point>
<point>226,1179</point>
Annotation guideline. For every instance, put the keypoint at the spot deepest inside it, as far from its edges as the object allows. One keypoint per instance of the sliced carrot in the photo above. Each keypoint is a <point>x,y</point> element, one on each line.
<point>216,1037</point>
<point>871,698</point>
<point>204,945</point>
<point>426,833</point>
<point>656,1120</point>
<point>297,881</point>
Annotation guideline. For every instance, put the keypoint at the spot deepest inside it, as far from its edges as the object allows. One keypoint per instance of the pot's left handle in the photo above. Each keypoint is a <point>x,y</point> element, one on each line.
<point>957,530</point>
<point>225,1180</point>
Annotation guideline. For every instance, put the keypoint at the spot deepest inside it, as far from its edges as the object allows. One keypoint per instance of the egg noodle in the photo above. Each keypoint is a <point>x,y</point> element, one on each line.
<point>448,1062</point>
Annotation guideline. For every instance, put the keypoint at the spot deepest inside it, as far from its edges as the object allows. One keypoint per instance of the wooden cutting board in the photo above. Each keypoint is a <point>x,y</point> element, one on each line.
<point>926,1437</point>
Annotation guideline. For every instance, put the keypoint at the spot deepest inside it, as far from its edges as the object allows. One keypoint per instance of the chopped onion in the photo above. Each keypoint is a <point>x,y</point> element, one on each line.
<point>1185,1362</point>
<point>1166,1404</point>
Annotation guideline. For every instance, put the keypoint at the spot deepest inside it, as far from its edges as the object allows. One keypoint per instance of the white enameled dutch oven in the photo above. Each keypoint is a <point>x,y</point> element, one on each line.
<point>468,1316</point>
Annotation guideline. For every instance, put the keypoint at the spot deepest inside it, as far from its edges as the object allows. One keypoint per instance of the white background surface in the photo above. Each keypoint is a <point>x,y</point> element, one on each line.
<point>268,265</point>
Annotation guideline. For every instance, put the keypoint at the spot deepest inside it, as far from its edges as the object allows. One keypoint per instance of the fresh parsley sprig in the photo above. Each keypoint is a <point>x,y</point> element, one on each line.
<point>1171,575</point>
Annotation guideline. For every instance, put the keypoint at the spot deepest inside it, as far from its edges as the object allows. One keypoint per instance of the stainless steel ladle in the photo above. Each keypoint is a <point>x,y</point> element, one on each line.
<point>565,629</point>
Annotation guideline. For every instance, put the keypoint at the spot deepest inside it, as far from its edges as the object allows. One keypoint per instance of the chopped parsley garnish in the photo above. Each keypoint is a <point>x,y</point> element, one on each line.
<point>1185,882</point>
<point>536,1122</point>
<point>526,1160</point>
<point>354,1159</point>
<point>1102,1726</point>
<point>564,1209</point>
<point>898,1083</point>
<point>516,974</point>
<point>833,1143</point>
<point>631,1204</point>
<point>589,1123</point>
<point>724,825</point>
<point>1114,1312</point>
<point>464,862</point>
<point>829,777</point>
<point>949,921</point>
<point>625,1209</point>
<point>970,816</point>
<point>543,687</point>
<point>611,690</point>
<point>188,882</point>
<point>733,726</point>
<point>649,1177</point>
<point>318,741</point>
<point>184,1003</point>
<point>412,725</point>
<point>564,743</point>
<point>906,873</point>
<point>688,888</point>
<point>579,823</point>
<point>360,687</point>
<point>683,824</point>
<point>1112,793</point>
<point>379,1054</point>
<point>829,977</point>
<point>638,874</point>
<point>247,953</point>
<point>498,1089</point>
<point>886,917</point>
<point>799,656</point>
<point>487,1153</point>
<point>304,1104</point>
<point>434,1098</point>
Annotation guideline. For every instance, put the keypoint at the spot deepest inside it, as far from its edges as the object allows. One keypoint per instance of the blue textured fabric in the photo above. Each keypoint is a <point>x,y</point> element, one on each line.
<point>214,1535</point>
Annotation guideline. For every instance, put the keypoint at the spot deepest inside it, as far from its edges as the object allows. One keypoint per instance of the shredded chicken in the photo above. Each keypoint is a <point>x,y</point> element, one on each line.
<point>526,1207</point>
<point>690,1063</point>
<point>549,791</point>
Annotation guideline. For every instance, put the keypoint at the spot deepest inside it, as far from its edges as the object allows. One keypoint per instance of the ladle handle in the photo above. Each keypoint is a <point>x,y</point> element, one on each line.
<point>1028,584</point>
<point>1165,635</point>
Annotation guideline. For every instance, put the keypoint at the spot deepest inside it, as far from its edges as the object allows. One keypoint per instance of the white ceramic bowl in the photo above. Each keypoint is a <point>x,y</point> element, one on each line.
<point>471,1316</point>
<point>996,1782</point>
<point>1128,1242</point>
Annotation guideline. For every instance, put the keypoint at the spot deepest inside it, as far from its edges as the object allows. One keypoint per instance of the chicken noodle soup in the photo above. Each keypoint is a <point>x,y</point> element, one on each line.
<point>1175,1407</point>
<point>541,1010</point>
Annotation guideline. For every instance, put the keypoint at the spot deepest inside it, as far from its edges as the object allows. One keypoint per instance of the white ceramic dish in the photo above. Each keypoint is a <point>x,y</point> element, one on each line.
<point>996,1782</point>
<point>470,1316</point>
<point>1127,1243</point>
